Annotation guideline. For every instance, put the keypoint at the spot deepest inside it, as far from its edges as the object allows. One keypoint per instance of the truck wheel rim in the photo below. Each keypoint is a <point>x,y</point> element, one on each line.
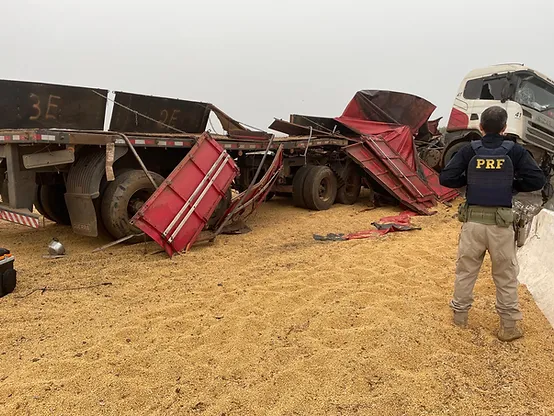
<point>137,200</point>
<point>324,191</point>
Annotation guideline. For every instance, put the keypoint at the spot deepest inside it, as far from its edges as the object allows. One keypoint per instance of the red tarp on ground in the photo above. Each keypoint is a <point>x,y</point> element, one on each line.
<point>400,222</point>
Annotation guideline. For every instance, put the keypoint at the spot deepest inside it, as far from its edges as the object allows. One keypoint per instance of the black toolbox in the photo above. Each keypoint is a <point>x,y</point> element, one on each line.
<point>7,272</point>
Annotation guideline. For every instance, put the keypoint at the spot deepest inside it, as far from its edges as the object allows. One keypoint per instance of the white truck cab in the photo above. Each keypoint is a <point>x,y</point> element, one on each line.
<point>528,97</point>
<point>526,94</point>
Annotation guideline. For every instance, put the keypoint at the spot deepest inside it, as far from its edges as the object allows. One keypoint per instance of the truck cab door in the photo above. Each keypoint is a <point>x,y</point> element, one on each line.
<point>515,125</point>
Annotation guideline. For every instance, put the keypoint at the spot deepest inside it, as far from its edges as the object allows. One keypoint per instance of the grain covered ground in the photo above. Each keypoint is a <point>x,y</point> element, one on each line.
<point>267,323</point>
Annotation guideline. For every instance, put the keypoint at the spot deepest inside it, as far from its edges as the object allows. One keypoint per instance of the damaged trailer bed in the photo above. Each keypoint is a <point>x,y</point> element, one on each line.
<point>62,175</point>
<point>56,161</point>
<point>65,157</point>
<point>45,159</point>
<point>381,129</point>
<point>90,158</point>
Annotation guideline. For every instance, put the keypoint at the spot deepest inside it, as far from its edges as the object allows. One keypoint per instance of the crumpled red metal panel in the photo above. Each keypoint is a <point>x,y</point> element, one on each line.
<point>179,209</point>
<point>390,107</point>
<point>373,164</point>
<point>250,200</point>
<point>399,137</point>
<point>400,140</point>
<point>443,194</point>
<point>408,176</point>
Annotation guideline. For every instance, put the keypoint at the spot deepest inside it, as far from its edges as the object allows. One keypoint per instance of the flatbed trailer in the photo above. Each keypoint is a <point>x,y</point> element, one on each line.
<point>64,175</point>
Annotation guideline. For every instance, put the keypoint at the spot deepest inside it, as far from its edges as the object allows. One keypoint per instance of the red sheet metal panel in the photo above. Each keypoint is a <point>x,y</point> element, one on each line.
<point>250,200</point>
<point>443,194</point>
<point>180,208</point>
<point>416,186</point>
<point>400,138</point>
<point>374,166</point>
<point>390,107</point>
<point>400,142</point>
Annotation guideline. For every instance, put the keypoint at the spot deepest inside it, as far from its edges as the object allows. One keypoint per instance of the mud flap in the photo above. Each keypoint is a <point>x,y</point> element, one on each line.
<point>83,186</point>
<point>82,213</point>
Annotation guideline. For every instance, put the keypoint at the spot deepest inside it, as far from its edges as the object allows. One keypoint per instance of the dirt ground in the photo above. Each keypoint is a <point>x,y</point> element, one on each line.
<point>267,323</point>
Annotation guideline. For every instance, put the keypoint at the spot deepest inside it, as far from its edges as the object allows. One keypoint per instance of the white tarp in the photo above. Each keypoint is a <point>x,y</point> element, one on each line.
<point>536,262</point>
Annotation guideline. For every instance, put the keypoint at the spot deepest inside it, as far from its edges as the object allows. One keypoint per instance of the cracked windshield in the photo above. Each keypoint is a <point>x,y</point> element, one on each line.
<point>536,94</point>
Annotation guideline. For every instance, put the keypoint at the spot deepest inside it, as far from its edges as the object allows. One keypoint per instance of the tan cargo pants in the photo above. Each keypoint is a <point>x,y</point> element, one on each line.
<point>475,240</point>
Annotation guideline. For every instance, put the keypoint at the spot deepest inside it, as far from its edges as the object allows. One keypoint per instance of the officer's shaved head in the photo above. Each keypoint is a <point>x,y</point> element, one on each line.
<point>493,120</point>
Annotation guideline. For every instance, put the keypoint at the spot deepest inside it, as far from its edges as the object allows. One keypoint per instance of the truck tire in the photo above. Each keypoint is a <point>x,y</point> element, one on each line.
<point>451,151</point>
<point>298,185</point>
<point>349,192</point>
<point>122,199</point>
<point>38,204</point>
<point>220,210</point>
<point>4,194</point>
<point>320,188</point>
<point>52,203</point>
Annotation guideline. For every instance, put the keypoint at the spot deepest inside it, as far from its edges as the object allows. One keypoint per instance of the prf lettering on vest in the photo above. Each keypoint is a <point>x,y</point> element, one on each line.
<point>489,164</point>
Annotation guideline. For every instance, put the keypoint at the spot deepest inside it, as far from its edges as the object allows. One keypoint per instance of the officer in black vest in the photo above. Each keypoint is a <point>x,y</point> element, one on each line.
<point>493,169</point>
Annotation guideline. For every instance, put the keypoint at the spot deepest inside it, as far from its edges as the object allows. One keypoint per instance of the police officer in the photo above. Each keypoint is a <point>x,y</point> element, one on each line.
<point>493,169</point>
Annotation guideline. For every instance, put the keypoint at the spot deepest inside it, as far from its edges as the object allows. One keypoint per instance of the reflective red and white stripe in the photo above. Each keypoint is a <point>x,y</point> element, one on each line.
<point>32,137</point>
<point>20,219</point>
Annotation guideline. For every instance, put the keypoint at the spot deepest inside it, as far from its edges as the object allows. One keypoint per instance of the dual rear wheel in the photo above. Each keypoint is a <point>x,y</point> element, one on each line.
<point>50,202</point>
<point>317,187</point>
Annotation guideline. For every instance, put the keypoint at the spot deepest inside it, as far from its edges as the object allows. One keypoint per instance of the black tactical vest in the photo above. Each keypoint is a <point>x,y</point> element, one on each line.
<point>490,176</point>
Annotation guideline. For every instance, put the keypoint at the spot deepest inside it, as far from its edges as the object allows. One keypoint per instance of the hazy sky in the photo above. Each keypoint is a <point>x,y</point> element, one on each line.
<point>262,59</point>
